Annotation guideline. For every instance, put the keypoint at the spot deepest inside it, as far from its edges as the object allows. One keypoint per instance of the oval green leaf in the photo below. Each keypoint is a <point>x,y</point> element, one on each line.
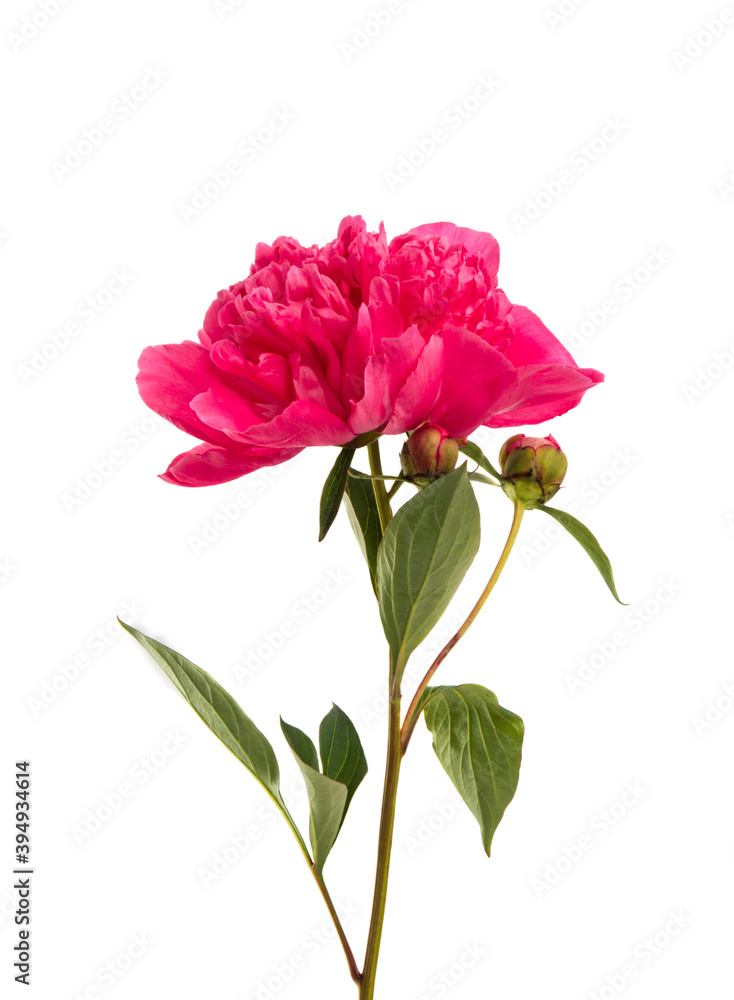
<point>479,745</point>
<point>427,549</point>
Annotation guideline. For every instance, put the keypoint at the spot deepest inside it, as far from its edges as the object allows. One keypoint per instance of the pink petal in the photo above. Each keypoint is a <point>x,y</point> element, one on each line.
<point>417,397</point>
<point>226,411</point>
<point>207,466</point>
<point>300,425</point>
<point>375,407</point>
<point>474,377</point>
<point>533,343</point>
<point>170,376</point>
<point>542,392</point>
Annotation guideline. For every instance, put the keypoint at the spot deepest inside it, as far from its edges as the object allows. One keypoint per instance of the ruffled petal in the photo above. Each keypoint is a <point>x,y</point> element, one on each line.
<point>484,245</point>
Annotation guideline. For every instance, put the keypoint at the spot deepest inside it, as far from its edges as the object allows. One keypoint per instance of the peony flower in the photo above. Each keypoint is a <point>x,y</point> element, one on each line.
<point>338,344</point>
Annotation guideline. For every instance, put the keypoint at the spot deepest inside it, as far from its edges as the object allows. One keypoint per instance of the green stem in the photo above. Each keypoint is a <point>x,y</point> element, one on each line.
<point>384,846</point>
<point>383,504</point>
<point>353,970</point>
<point>413,713</point>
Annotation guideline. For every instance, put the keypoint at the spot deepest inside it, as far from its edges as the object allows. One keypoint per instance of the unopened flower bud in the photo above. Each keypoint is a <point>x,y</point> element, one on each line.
<point>533,467</point>
<point>428,453</point>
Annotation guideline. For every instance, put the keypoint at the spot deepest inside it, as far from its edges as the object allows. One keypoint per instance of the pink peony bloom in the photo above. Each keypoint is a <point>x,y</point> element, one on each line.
<point>325,345</point>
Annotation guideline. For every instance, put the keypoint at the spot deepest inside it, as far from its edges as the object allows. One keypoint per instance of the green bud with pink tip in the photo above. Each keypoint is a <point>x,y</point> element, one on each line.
<point>429,452</point>
<point>533,468</point>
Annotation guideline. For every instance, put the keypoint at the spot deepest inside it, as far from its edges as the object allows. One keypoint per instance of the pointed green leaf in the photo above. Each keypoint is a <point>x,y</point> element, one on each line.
<point>342,756</point>
<point>477,477</point>
<point>475,453</point>
<point>301,745</point>
<point>479,745</point>
<point>218,709</point>
<point>327,799</point>
<point>333,491</point>
<point>427,549</point>
<point>587,541</point>
<point>364,517</point>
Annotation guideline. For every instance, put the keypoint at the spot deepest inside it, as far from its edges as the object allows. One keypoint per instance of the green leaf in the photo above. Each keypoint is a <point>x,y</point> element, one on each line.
<point>327,799</point>
<point>356,474</point>
<point>587,541</point>
<point>301,745</point>
<point>479,745</point>
<point>475,453</point>
<point>364,517</point>
<point>221,713</point>
<point>333,491</point>
<point>477,477</point>
<point>342,756</point>
<point>427,549</point>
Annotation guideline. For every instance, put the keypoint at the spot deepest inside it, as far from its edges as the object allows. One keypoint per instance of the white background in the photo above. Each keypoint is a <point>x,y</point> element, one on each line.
<point>650,468</point>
